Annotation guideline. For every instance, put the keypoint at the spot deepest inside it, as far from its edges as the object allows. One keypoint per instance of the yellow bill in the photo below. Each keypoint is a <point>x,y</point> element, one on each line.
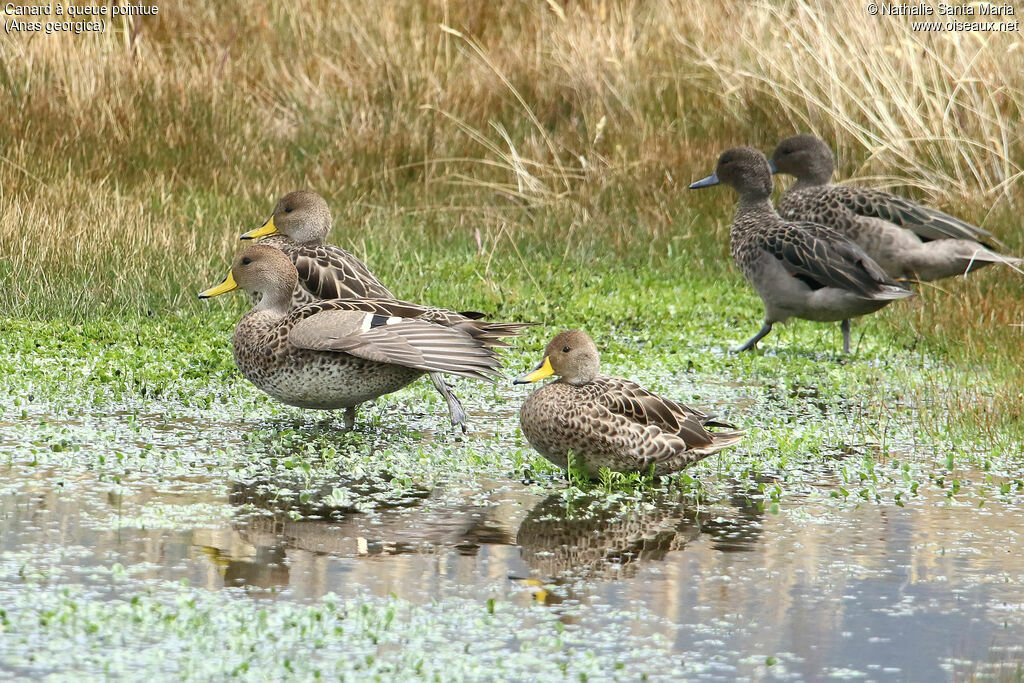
<point>267,228</point>
<point>542,370</point>
<point>537,590</point>
<point>228,285</point>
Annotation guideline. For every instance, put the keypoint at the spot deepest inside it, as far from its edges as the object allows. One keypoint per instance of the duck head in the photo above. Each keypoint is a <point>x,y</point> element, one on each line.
<point>262,271</point>
<point>571,355</point>
<point>745,169</point>
<point>807,157</point>
<point>302,216</point>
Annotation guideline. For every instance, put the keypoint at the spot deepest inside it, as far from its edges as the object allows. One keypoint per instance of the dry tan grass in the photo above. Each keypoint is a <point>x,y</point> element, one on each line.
<point>942,111</point>
<point>130,161</point>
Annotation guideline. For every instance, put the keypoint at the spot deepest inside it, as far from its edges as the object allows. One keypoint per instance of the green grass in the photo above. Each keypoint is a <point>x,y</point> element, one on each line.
<point>184,359</point>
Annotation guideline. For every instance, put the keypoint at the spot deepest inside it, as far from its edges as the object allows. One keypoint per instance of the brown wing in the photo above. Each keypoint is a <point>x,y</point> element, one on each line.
<point>329,272</point>
<point>822,256</point>
<point>611,431</point>
<point>924,221</point>
<point>488,333</point>
<point>649,445</point>
<point>393,339</point>
<point>638,405</point>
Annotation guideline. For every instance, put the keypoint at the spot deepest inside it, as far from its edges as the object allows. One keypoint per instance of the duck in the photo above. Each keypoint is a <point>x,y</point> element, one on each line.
<point>799,269</point>
<point>601,421</point>
<point>339,353</point>
<point>298,227</point>
<point>910,241</point>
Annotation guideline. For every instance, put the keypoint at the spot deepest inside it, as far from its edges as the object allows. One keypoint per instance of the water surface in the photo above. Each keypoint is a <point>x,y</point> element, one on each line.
<point>807,586</point>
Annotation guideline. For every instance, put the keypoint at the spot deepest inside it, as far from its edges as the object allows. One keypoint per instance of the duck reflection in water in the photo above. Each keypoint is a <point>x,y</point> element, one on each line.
<point>284,539</point>
<point>586,541</point>
<point>296,530</point>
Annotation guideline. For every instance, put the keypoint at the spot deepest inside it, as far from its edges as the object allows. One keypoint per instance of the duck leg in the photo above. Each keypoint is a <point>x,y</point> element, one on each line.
<point>845,327</point>
<point>752,342</point>
<point>350,418</point>
<point>455,409</point>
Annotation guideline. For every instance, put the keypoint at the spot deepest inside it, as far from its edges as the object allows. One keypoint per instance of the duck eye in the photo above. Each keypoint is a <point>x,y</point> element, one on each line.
<point>287,209</point>
<point>566,350</point>
<point>246,261</point>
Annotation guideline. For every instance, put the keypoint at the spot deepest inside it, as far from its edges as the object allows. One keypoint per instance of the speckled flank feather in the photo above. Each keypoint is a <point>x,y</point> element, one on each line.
<point>310,378</point>
<point>906,239</point>
<point>799,269</point>
<point>337,354</point>
<point>613,422</point>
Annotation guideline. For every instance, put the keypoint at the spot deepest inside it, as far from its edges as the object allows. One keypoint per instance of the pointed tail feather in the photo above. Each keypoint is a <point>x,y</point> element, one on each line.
<point>891,292</point>
<point>720,441</point>
<point>491,334</point>
<point>986,256</point>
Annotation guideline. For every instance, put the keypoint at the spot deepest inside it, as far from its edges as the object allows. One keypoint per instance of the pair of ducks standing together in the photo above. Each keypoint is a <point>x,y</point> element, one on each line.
<point>325,333</point>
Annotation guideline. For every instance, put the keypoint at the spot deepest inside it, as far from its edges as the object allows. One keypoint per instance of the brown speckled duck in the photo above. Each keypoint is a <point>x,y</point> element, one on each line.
<point>339,353</point>
<point>799,269</point>
<point>298,227</point>
<point>908,240</point>
<point>610,421</point>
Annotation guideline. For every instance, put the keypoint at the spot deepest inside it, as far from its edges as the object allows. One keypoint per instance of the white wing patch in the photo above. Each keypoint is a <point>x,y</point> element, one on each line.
<point>371,320</point>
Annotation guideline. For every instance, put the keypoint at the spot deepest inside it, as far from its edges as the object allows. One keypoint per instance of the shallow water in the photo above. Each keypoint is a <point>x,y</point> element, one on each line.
<point>739,585</point>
